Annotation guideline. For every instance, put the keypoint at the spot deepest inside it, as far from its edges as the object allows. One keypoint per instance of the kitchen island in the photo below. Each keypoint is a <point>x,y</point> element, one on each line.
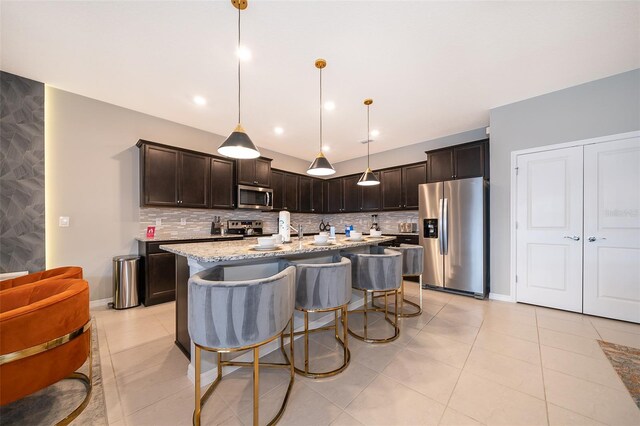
<point>195,257</point>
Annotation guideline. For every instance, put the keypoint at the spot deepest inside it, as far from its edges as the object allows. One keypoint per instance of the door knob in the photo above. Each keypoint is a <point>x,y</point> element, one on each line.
<point>593,239</point>
<point>572,237</point>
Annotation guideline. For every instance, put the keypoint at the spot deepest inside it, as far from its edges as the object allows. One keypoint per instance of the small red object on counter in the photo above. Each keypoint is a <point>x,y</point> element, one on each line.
<point>151,231</point>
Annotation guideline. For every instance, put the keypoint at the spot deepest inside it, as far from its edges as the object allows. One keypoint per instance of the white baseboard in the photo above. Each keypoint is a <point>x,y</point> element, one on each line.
<point>209,376</point>
<point>100,302</point>
<point>501,297</point>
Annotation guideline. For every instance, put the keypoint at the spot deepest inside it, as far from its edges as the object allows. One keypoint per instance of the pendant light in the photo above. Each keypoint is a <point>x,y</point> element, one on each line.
<point>368,178</point>
<point>321,166</point>
<point>238,144</point>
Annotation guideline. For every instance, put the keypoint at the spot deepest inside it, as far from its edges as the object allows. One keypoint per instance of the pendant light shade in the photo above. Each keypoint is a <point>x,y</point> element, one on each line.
<point>368,178</point>
<point>320,165</point>
<point>239,144</point>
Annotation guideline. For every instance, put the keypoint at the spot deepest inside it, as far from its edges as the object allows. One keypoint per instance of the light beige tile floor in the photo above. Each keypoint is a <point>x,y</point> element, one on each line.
<point>463,362</point>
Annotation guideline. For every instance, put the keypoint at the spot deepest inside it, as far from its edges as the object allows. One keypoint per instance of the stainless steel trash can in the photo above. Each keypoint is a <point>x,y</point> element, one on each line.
<point>125,281</point>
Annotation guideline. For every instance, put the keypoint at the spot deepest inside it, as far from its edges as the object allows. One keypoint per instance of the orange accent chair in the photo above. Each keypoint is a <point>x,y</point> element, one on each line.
<point>46,336</point>
<point>63,272</point>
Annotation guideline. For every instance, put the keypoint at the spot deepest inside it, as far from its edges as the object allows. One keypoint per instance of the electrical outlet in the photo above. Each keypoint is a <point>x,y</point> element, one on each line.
<point>63,221</point>
<point>158,222</point>
<point>183,221</point>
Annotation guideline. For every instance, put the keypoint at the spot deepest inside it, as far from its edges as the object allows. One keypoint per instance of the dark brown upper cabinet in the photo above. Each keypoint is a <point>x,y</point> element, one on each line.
<point>471,160</point>
<point>317,196</point>
<point>344,195</point>
<point>173,177</point>
<point>391,187</point>
<point>256,172</point>
<point>285,190</point>
<point>412,176</point>
<point>290,192</point>
<point>277,184</point>
<point>305,193</point>
<point>399,186</point>
<point>459,162</point>
<point>334,198</point>
<point>222,195</point>
<point>370,196</point>
<point>440,165</point>
<point>351,194</point>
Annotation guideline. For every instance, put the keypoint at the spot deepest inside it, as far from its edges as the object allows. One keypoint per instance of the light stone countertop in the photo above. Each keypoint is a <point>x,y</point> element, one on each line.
<point>185,237</point>
<point>220,251</point>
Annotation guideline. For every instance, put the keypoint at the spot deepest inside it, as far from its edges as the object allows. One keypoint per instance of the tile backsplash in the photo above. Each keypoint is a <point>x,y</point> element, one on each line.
<point>198,221</point>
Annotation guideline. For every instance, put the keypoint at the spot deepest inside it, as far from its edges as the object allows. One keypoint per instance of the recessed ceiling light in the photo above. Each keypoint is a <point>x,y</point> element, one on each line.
<point>329,106</point>
<point>244,53</point>
<point>375,133</point>
<point>326,148</point>
<point>278,130</point>
<point>199,100</point>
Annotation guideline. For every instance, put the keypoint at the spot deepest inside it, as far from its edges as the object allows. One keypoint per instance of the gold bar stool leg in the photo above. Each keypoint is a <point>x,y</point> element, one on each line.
<point>196,413</point>
<point>345,331</point>
<point>386,306</point>
<point>256,385</point>
<point>396,313</point>
<point>365,314</point>
<point>306,342</point>
<point>291,363</point>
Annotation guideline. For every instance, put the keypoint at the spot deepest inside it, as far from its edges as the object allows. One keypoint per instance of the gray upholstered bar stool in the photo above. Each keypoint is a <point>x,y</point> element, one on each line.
<point>323,287</point>
<point>412,266</point>
<point>231,316</point>
<point>378,271</point>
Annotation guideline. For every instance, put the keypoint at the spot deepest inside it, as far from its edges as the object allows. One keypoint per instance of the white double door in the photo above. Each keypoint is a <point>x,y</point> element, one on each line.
<point>578,229</point>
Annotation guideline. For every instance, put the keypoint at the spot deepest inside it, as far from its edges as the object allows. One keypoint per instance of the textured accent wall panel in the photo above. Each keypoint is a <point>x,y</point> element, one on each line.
<point>22,221</point>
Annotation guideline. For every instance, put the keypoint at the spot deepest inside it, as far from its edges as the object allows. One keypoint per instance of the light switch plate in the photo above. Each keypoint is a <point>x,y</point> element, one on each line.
<point>158,222</point>
<point>183,221</point>
<point>63,221</point>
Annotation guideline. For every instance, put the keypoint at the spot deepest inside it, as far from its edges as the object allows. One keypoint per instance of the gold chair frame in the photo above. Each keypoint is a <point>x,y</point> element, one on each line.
<point>346,354</point>
<point>200,401</point>
<point>52,344</point>
<point>374,308</point>
<point>402,313</point>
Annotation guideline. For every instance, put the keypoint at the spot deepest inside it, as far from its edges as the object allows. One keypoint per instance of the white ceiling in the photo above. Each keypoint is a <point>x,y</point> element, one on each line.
<point>432,68</point>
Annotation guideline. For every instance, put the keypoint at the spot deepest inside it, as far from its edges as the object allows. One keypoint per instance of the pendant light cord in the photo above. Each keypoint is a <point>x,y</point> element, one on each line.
<point>321,110</point>
<point>239,60</point>
<point>368,133</point>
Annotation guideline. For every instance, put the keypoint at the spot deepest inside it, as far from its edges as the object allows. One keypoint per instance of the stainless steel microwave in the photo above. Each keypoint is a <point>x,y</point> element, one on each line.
<point>255,197</point>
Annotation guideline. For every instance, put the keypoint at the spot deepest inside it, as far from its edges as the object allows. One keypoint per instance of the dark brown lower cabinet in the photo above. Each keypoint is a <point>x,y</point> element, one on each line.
<point>158,273</point>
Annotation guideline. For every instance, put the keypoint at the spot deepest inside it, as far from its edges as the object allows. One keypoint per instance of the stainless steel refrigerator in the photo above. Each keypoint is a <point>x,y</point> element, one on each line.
<point>454,234</point>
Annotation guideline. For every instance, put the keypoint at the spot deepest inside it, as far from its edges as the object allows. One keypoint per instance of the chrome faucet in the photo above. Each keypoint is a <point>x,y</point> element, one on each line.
<point>298,230</point>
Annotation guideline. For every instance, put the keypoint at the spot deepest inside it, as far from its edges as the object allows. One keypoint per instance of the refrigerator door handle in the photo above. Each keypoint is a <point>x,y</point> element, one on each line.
<point>440,220</point>
<point>445,226</point>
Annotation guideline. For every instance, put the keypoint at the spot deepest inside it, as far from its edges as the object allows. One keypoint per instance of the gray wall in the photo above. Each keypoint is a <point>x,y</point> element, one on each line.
<point>602,107</point>
<point>92,177</point>
<point>22,218</point>
<point>406,154</point>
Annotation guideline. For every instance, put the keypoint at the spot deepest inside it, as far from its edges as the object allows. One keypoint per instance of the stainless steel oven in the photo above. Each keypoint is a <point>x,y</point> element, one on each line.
<point>255,197</point>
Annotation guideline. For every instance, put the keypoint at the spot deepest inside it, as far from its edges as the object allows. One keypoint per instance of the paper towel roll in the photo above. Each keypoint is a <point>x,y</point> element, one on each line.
<point>284,223</point>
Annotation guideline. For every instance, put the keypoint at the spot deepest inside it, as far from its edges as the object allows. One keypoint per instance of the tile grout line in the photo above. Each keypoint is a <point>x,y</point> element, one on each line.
<point>544,385</point>
<point>115,380</point>
<point>446,406</point>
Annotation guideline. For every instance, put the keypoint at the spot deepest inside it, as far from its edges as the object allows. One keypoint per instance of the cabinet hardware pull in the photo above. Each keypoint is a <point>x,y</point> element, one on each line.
<point>572,237</point>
